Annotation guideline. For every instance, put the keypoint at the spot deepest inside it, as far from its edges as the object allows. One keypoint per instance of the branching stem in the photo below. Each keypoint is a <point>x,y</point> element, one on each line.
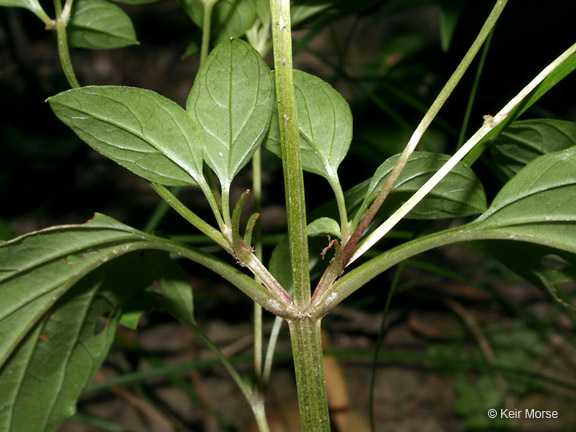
<point>422,127</point>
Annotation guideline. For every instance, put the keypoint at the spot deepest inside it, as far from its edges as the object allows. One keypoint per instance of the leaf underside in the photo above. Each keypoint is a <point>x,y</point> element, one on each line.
<point>325,124</point>
<point>459,194</point>
<point>524,140</point>
<point>146,133</point>
<point>99,24</point>
<point>61,294</point>
<point>231,103</point>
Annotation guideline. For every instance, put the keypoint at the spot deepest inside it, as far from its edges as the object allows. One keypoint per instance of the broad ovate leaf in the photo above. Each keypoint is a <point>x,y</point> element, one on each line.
<point>230,18</point>
<point>99,24</point>
<point>525,140</point>
<point>460,193</point>
<point>538,204</point>
<point>38,268</point>
<point>325,124</point>
<point>146,133</point>
<point>231,102</point>
<point>61,294</point>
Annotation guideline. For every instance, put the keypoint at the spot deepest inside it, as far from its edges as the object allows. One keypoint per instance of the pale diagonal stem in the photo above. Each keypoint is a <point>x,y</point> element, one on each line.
<point>421,129</point>
<point>487,127</point>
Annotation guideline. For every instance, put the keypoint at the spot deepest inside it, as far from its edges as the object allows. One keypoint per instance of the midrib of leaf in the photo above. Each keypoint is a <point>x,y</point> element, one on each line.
<point>230,117</point>
<point>247,117</point>
<point>312,140</point>
<point>140,135</point>
<point>72,250</point>
<point>108,32</point>
<point>60,290</point>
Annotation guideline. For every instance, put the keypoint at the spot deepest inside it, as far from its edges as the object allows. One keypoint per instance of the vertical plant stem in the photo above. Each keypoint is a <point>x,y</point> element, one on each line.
<point>206,28</point>
<point>304,331</point>
<point>257,237</point>
<point>62,18</point>
<point>291,160</point>
<point>307,349</point>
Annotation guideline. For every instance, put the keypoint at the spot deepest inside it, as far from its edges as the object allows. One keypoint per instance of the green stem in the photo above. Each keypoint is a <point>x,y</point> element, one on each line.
<point>379,343</point>
<point>291,159</point>
<point>341,202</point>
<point>474,90</point>
<point>264,297</point>
<point>490,125</point>
<point>206,28</point>
<point>191,217</point>
<point>307,349</point>
<point>271,349</point>
<point>361,275</point>
<point>62,18</point>
<point>41,13</point>
<point>257,238</point>
<point>423,126</point>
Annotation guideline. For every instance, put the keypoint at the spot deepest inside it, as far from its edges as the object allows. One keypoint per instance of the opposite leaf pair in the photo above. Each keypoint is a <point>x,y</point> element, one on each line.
<point>228,116</point>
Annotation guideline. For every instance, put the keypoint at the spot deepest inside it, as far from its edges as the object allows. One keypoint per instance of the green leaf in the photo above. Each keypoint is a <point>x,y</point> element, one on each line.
<point>542,266</point>
<point>325,124</point>
<point>39,268</point>
<point>31,5</point>
<point>177,296</point>
<point>280,264</point>
<point>449,14</point>
<point>28,4</point>
<point>319,13</point>
<point>460,193</point>
<point>323,226</point>
<point>523,141</point>
<point>146,133</point>
<point>231,102</point>
<point>66,342</point>
<point>538,204</point>
<point>230,18</point>
<point>99,24</point>
<point>135,2</point>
